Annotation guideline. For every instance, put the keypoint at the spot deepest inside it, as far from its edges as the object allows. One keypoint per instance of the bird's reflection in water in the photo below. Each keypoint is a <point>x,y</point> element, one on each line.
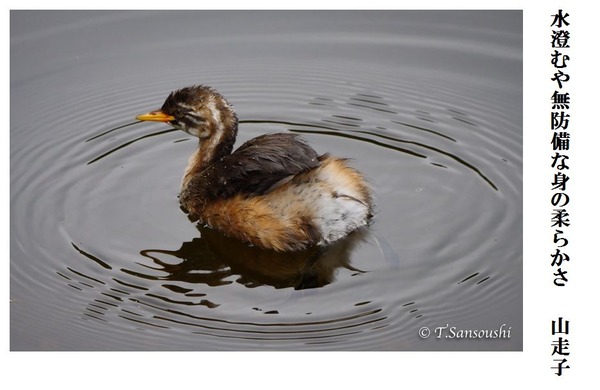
<point>213,258</point>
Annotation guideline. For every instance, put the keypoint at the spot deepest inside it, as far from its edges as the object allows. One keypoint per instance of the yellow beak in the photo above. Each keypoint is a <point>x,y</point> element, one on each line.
<point>155,116</point>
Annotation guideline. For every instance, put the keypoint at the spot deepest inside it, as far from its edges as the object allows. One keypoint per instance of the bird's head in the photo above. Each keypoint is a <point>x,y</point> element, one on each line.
<point>198,110</point>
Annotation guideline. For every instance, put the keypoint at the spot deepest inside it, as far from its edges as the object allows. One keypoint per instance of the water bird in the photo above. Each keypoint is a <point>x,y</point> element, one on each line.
<point>274,191</point>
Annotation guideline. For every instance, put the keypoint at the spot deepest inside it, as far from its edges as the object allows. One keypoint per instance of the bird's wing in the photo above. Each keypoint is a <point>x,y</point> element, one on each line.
<point>261,164</point>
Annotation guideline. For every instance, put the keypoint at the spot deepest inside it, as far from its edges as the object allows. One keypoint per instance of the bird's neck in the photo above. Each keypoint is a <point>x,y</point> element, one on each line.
<point>212,149</point>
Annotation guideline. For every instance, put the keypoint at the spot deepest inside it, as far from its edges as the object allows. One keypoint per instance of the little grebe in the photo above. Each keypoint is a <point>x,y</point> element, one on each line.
<point>274,191</point>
